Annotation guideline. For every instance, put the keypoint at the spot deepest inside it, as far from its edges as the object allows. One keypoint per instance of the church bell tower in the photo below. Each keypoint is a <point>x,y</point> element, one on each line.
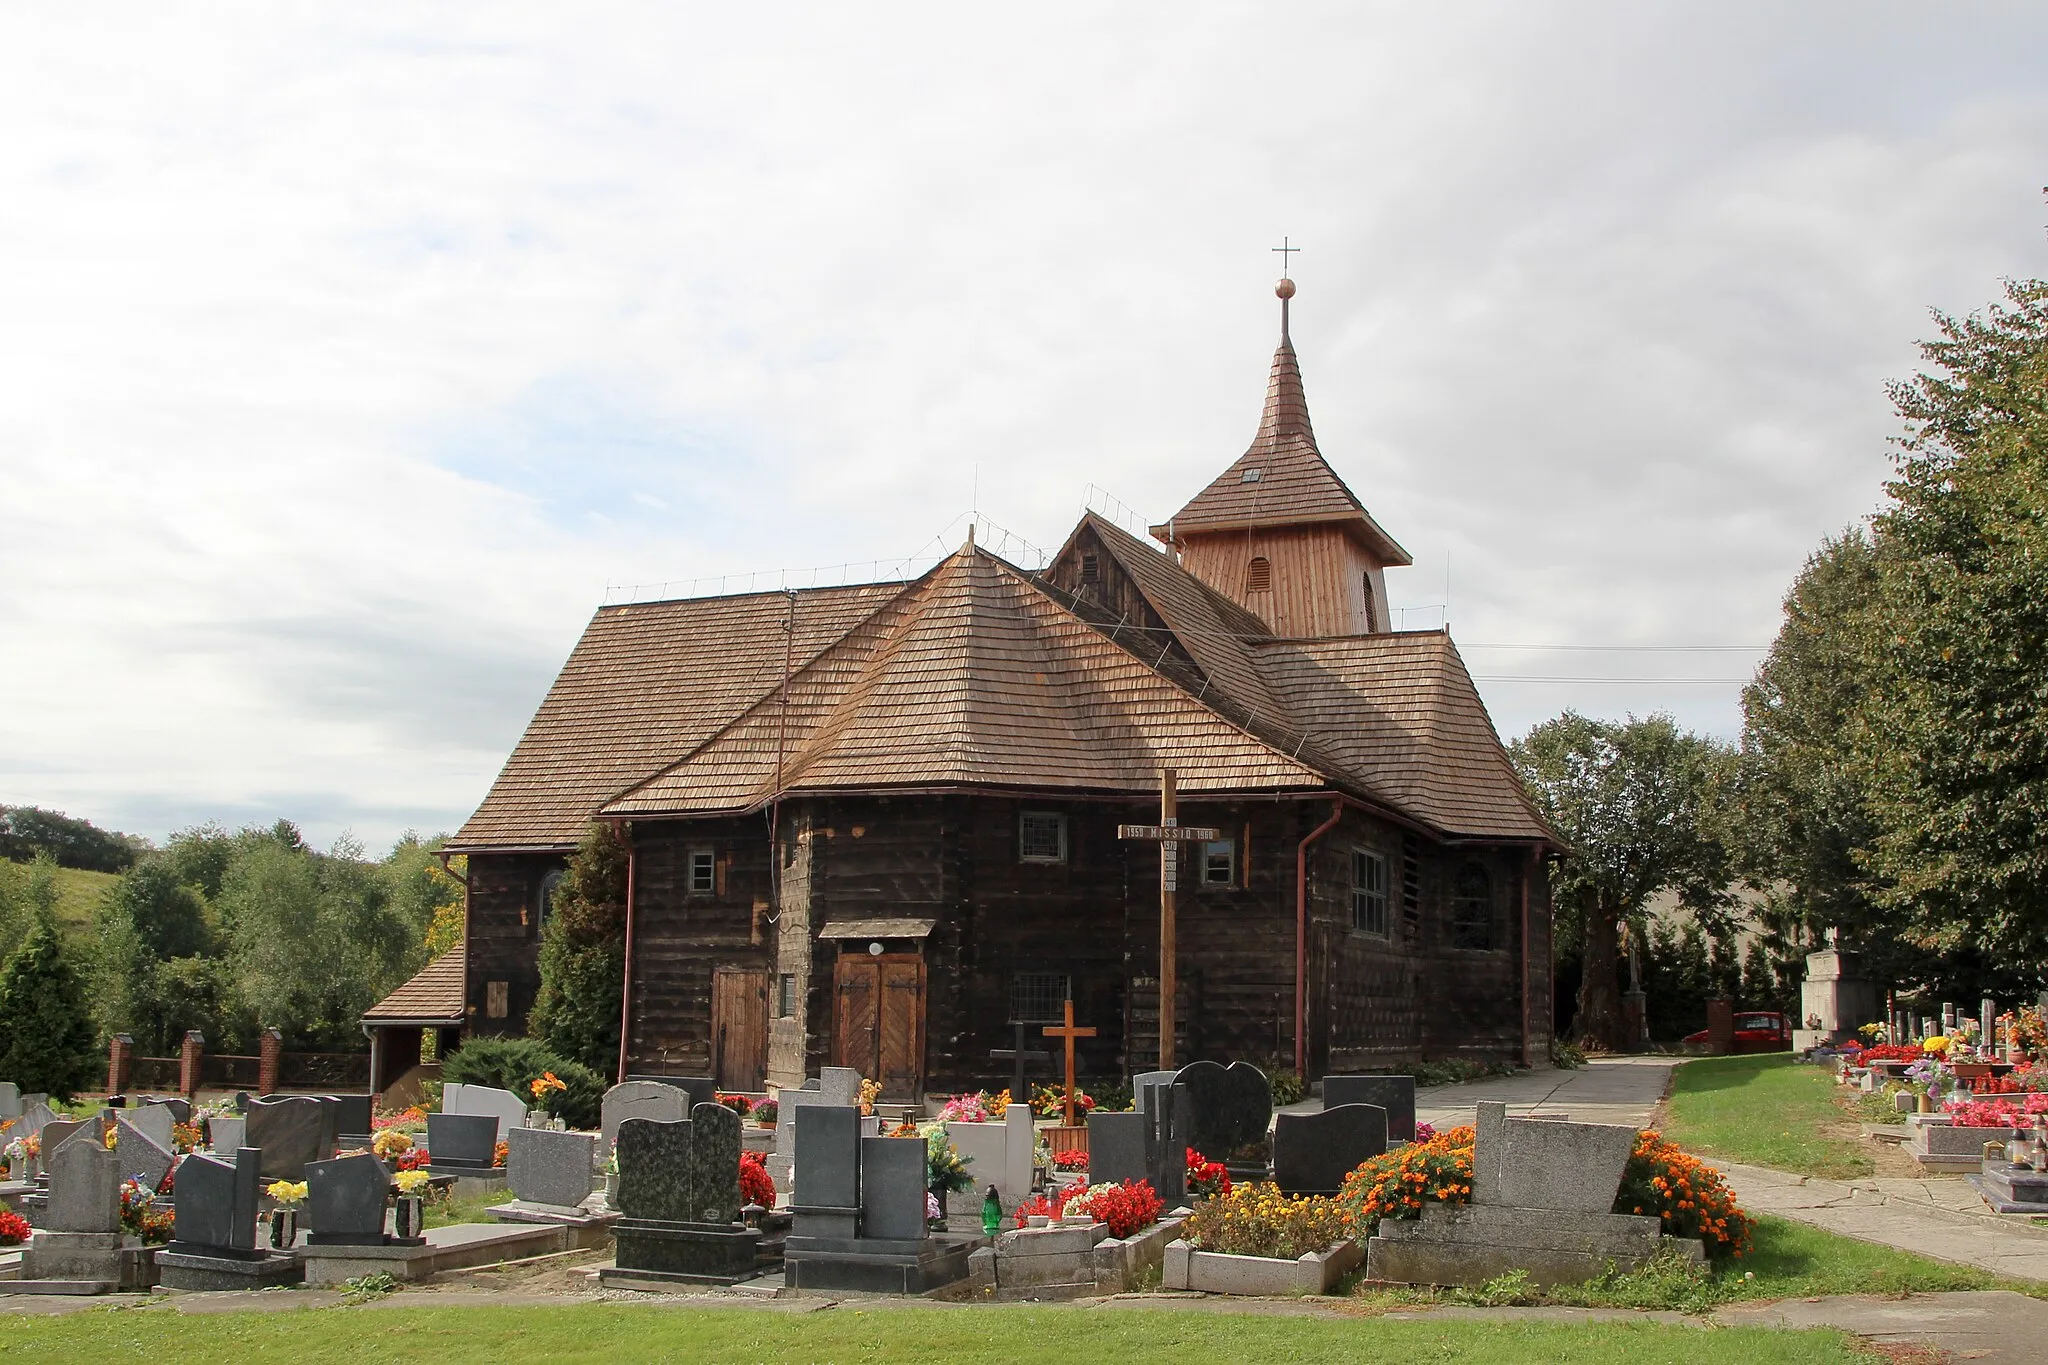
<point>1279,533</point>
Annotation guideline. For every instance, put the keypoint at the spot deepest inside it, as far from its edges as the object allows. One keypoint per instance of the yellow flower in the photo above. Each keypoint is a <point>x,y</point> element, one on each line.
<point>411,1182</point>
<point>287,1192</point>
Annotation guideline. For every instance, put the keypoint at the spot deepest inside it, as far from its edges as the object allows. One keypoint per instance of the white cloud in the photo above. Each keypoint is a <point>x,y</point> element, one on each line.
<point>350,356</point>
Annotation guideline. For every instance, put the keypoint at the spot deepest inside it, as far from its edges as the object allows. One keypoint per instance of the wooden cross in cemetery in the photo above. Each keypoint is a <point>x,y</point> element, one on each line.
<point>1169,834</point>
<point>1017,1056</point>
<point>1070,1033</point>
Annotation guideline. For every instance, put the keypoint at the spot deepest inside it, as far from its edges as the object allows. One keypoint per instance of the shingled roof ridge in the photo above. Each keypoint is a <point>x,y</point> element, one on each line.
<point>861,631</point>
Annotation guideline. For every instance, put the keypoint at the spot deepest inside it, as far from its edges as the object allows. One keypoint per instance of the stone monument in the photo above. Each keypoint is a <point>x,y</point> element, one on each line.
<point>1838,995</point>
<point>1543,1195</point>
<point>859,1208</point>
<point>214,1246</point>
<point>679,1201</point>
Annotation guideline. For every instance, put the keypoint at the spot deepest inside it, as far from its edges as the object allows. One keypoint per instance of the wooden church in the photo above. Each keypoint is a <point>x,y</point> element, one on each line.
<point>877,826</point>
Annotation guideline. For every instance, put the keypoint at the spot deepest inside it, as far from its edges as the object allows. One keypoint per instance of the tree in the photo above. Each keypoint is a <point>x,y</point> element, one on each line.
<point>47,1041</point>
<point>26,831</point>
<point>583,954</point>
<point>1956,727</point>
<point>24,890</point>
<point>1633,802</point>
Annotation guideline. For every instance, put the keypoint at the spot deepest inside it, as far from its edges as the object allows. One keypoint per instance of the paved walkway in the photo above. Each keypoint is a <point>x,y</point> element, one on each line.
<point>1928,1217</point>
<point>1605,1090</point>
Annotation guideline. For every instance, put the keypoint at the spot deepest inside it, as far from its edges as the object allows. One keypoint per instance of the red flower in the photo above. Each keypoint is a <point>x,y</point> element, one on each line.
<point>756,1185</point>
<point>13,1228</point>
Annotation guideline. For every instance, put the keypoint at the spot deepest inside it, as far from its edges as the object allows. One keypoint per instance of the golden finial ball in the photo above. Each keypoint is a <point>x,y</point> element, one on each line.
<point>1284,289</point>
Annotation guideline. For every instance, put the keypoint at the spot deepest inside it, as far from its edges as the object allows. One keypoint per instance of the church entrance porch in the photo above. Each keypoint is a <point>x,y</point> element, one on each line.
<point>878,1019</point>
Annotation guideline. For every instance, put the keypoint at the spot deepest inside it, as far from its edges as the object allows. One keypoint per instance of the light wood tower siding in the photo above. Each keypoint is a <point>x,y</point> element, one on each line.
<point>1316,577</point>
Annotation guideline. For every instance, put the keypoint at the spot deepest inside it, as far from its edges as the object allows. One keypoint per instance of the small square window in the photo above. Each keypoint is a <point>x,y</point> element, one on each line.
<point>1251,476</point>
<point>1369,892</point>
<point>1219,863</point>
<point>1042,837</point>
<point>703,870</point>
<point>785,995</point>
<point>1039,997</point>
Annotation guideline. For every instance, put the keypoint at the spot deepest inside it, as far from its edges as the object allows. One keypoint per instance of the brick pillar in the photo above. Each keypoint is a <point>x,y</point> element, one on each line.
<point>188,1062</point>
<point>269,1061</point>
<point>119,1050</point>
<point>1721,1026</point>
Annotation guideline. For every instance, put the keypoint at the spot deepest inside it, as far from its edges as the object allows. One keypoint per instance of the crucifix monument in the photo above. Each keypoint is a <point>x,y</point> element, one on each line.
<point>1017,1056</point>
<point>1069,1033</point>
<point>1169,834</point>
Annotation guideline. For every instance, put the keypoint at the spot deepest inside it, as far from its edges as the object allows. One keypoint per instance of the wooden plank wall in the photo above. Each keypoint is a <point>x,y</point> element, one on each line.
<point>682,936</point>
<point>1318,573</point>
<point>502,939</point>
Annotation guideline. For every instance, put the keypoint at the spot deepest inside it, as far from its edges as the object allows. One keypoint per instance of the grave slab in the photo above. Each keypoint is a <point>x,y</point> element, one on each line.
<point>1395,1094</point>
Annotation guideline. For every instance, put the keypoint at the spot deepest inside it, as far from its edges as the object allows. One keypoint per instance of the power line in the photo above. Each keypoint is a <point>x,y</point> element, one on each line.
<point>1542,678</point>
<point>1629,649</point>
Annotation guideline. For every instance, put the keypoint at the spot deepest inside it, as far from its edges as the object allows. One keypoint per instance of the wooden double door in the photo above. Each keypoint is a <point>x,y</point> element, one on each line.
<point>878,1020</point>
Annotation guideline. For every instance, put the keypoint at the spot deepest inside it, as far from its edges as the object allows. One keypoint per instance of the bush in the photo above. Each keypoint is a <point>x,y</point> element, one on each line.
<point>1258,1220</point>
<point>514,1064</point>
<point>1397,1184</point>
<point>47,1042</point>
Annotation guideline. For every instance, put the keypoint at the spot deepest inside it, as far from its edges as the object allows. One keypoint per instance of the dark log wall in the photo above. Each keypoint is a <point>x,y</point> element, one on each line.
<point>1094,917</point>
<point>682,936</point>
<point>502,939</point>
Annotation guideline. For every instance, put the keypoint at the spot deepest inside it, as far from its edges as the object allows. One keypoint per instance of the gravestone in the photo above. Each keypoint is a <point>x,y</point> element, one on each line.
<point>1169,1117</point>
<point>79,1247</point>
<point>859,1210</point>
<point>346,1201</point>
<point>35,1117</point>
<point>550,1168</point>
<point>140,1158</point>
<point>214,1246</point>
<point>504,1106</point>
<point>290,1131</point>
<point>679,1194</point>
<point>352,1118</point>
<point>10,1100</point>
<point>1542,1198</point>
<point>1312,1153</point>
<point>1116,1148</point>
<point>1142,1083</point>
<point>639,1100</point>
<point>58,1132</point>
<point>154,1119</point>
<point>892,1188</point>
<point>85,1189</point>
<point>834,1085</point>
<point>1232,1106</point>
<point>698,1089</point>
<point>1395,1094</point>
<point>461,1142</point>
<point>225,1133</point>
<point>1000,1154</point>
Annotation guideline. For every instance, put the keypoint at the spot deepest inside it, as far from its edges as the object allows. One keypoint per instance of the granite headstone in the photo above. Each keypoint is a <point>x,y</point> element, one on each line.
<point>462,1142</point>
<point>138,1154</point>
<point>1116,1148</point>
<point>504,1106</point>
<point>654,1157</point>
<point>892,1188</point>
<point>1232,1106</point>
<point>216,1210</point>
<point>639,1100</point>
<point>154,1119</point>
<point>546,1167</point>
<point>1395,1094</point>
<point>711,1171</point>
<point>290,1131</point>
<point>346,1201</point>
<point>85,1189</point>
<point>1312,1153</point>
<point>225,1132</point>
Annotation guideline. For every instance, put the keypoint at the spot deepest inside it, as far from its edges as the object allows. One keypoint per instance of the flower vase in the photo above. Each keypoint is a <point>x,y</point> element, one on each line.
<point>611,1189</point>
<point>17,1168</point>
<point>408,1213</point>
<point>1926,1104</point>
<point>284,1229</point>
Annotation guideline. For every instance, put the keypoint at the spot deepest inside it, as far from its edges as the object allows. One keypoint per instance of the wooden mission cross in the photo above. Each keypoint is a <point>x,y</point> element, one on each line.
<point>1069,1033</point>
<point>1169,834</point>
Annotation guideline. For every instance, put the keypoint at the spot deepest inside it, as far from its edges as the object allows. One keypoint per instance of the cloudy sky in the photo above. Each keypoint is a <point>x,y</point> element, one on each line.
<point>350,360</point>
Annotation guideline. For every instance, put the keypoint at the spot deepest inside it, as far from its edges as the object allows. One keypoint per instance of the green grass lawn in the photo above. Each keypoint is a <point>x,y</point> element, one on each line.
<point>467,1208</point>
<point>900,1336</point>
<point>1765,1111</point>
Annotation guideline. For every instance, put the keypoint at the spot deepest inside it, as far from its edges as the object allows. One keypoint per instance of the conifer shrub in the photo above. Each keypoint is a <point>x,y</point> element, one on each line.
<point>583,954</point>
<point>514,1064</point>
<point>47,1041</point>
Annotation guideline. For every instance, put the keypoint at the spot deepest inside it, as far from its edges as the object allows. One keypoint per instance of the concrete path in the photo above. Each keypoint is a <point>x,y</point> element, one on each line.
<point>1992,1325</point>
<point>1605,1090</point>
<point>1909,1218</point>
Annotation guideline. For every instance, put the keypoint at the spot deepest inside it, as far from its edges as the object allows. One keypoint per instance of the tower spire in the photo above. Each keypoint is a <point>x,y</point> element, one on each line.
<point>1285,289</point>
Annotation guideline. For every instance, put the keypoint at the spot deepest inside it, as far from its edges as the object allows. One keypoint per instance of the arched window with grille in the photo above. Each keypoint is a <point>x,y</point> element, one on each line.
<point>1472,908</point>
<point>1258,575</point>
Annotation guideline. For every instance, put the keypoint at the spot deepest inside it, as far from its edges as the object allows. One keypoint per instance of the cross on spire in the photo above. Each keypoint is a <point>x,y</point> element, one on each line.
<point>1285,251</point>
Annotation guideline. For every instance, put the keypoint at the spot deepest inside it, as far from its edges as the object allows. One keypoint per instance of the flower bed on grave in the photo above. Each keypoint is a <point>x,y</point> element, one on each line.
<point>1256,1240</point>
<point>1687,1196</point>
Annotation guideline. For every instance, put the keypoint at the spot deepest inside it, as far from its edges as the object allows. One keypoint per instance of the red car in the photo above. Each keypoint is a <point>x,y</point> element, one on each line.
<point>1755,1031</point>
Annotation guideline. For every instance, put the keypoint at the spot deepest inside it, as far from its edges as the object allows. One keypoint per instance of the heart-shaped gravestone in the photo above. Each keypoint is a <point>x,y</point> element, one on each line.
<point>1231,1107</point>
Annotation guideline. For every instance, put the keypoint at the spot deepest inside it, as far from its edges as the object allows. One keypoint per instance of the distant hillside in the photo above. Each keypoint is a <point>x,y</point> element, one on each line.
<point>26,831</point>
<point>78,897</point>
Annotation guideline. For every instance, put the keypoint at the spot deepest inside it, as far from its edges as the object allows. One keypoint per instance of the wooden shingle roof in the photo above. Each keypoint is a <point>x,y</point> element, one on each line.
<point>647,682</point>
<point>435,996</point>
<point>1282,479</point>
<point>1400,713</point>
<point>974,676</point>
